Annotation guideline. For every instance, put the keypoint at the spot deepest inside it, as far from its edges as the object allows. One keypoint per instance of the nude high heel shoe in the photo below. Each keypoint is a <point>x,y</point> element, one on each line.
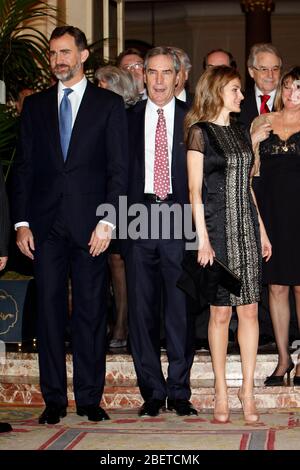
<point>221,409</point>
<point>249,409</point>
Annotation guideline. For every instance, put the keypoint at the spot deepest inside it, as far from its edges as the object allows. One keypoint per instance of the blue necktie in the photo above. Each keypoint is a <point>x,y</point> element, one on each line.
<point>65,121</point>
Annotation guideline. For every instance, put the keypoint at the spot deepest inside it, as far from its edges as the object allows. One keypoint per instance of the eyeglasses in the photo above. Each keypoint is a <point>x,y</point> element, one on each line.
<point>136,66</point>
<point>265,70</point>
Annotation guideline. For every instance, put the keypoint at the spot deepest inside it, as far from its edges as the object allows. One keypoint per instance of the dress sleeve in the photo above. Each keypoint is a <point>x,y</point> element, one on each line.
<point>195,140</point>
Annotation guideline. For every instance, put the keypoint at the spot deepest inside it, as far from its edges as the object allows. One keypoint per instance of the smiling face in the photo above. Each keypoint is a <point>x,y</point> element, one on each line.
<point>295,96</point>
<point>66,60</point>
<point>266,71</point>
<point>232,96</point>
<point>290,94</point>
<point>161,79</point>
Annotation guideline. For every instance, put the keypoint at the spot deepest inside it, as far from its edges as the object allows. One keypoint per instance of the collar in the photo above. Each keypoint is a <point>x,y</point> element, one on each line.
<point>167,108</point>
<point>182,95</point>
<point>258,93</point>
<point>79,87</point>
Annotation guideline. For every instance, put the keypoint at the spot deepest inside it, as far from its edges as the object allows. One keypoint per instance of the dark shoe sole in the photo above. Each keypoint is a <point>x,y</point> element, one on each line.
<point>152,415</point>
<point>62,414</point>
<point>183,414</point>
<point>5,427</point>
<point>104,418</point>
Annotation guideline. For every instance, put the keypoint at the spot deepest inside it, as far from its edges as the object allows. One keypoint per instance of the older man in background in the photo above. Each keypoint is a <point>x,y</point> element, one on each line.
<point>132,61</point>
<point>264,66</point>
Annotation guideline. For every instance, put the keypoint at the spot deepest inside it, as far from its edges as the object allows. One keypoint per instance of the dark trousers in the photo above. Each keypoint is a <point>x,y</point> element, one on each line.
<point>57,258</point>
<point>152,265</point>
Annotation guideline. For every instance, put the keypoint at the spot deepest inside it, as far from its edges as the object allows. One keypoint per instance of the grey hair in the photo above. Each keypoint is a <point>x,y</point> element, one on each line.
<point>120,82</point>
<point>262,47</point>
<point>162,50</point>
<point>183,57</point>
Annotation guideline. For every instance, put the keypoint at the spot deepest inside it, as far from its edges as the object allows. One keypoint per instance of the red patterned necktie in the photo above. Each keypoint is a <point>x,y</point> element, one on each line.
<point>161,160</point>
<point>264,107</point>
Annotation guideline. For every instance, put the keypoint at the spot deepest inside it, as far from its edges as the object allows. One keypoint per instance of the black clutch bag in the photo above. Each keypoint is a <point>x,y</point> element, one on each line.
<point>197,281</point>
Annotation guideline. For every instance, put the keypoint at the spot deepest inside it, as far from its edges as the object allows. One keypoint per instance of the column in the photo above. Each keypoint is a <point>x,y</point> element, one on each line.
<point>258,21</point>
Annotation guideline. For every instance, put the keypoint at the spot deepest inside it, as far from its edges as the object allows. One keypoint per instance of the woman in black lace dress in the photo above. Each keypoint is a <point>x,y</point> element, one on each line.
<point>220,158</point>
<point>279,202</point>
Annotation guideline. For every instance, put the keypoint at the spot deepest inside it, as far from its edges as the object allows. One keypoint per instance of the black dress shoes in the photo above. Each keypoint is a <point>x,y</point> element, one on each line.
<point>52,414</point>
<point>278,380</point>
<point>296,380</point>
<point>182,407</point>
<point>5,427</point>
<point>93,412</point>
<point>152,407</point>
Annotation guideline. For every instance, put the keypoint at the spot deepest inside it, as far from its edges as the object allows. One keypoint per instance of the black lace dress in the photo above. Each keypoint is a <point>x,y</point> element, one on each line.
<point>278,198</point>
<point>230,214</point>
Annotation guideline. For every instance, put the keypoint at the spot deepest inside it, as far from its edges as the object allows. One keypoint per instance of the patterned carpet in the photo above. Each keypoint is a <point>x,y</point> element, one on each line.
<point>277,429</point>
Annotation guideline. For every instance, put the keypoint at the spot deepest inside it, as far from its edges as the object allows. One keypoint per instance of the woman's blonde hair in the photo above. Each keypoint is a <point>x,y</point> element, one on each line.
<point>208,100</point>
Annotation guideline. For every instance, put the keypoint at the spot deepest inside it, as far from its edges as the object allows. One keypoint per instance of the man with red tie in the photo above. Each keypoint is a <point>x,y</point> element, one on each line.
<point>158,180</point>
<point>264,66</point>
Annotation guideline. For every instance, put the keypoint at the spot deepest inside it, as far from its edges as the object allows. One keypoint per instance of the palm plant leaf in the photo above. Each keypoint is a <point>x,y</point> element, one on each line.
<point>23,46</point>
<point>23,60</point>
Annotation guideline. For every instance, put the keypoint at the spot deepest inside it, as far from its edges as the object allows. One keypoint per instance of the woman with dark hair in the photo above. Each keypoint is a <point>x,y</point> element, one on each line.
<point>278,200</point>
<point>228,225</point>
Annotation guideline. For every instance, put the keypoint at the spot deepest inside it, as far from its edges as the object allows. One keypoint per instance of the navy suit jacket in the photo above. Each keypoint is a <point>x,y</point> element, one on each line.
<point>95,171</point>
<point>136,126</point>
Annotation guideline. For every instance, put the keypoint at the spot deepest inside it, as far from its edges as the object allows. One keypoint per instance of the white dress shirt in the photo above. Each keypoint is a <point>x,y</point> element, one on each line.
<point>75,97</point>
<point>151,118</point>
<point>270,101</point>
<point>182,95</point>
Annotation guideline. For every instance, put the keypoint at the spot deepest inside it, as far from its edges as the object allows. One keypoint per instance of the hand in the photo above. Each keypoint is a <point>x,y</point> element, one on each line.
<point>260,133</point>
<point>100,239</point>
<point>25,241</point>
<point>205,254</point>
<point>266,247</point>
<point>3,261</point>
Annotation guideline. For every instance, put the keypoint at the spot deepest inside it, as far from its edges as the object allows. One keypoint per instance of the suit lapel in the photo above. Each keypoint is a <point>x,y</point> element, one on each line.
<point>81,121</point>
<point>139,139</point>
<point>53,124</point>
<point>178,144</point>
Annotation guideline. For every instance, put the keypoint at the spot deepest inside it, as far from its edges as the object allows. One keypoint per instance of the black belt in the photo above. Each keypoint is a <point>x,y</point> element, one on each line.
<point>154,199</point>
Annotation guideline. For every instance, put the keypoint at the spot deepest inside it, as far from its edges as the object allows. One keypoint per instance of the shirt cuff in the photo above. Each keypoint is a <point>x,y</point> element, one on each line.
<point>21,224</point>
<point>107,223</point>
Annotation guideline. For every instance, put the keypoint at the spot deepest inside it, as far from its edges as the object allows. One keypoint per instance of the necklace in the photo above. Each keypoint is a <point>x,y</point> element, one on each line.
<point>286,133</point>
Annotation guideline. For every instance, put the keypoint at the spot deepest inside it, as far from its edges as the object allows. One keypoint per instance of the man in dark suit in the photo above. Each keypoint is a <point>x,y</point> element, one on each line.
<point>72,157</point>
<point>157,165</point>
<point>264,66</point>
<point>4,238</point>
